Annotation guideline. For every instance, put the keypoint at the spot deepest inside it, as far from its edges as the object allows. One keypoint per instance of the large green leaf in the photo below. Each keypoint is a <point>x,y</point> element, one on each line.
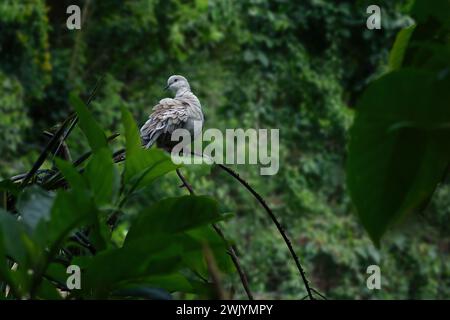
<point>108,269</point>
<point>102,177</point>
<point>13,235</point>
<point>70,211</point>
<point>94,133</point>
<point>17,244</point>
<point>142,166</point>
<point>170,282</point>
<point>208,236</point>
<point>34,205</point>
<point>174,215</point>
<point>399,147</point>
<point>72,176</point>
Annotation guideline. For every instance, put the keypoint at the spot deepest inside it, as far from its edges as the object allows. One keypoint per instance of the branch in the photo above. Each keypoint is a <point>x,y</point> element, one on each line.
<point>75,120</point>
<point>277,224</point>
<point>65,152</point>
<point>319,294</point>
<point>231,248</point>
<point>234,257</point>
<point>51,144</point>
<point>58,138</point>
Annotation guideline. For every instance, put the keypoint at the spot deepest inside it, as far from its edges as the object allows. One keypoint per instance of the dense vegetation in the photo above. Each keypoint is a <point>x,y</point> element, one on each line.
<point>297,66</point>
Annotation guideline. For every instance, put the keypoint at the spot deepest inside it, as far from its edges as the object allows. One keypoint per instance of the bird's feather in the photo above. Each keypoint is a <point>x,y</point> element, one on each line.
<point>168,115</point>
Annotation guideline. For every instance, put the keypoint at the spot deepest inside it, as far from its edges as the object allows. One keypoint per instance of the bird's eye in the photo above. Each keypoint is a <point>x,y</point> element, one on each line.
<point>176,80</point>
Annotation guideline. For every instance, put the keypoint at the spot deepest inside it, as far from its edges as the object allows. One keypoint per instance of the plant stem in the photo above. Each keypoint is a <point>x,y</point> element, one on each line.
<point>231,248</point>
<point>277,224</point>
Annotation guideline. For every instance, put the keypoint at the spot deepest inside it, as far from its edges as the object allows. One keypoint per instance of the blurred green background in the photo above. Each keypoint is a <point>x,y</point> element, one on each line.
<point>294,65</point>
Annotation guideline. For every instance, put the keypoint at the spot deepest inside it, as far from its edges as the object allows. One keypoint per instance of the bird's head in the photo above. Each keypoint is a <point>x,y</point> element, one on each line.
<point>176,83</point>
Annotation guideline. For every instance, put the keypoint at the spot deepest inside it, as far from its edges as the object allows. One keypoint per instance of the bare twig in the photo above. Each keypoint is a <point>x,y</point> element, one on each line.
<point>58,138</point>
<point>277,224</point>
<point>51,144</point>
<point>231,248</point>
<point>54,180</point>
<point>75,120</point>
<point>185,182</point>
<point>234,257</point>
<point>65,152</point>
<point>319,294</point>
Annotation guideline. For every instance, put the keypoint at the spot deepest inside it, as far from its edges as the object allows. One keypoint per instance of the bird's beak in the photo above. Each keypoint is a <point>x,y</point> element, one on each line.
<point>167,87</point>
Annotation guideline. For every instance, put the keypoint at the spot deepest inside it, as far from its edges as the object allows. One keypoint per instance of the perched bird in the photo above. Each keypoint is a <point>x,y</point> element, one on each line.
<point>170,114</point>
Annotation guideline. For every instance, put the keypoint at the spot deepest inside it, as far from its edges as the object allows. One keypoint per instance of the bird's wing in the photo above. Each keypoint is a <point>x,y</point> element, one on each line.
<point>168,115</point>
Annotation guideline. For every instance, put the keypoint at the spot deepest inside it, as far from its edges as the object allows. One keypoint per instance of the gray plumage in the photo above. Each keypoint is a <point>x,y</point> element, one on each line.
<point>170,114</point>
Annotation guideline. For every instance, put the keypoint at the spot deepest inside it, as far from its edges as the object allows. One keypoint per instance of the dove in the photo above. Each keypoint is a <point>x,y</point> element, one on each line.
<point>180,112</point>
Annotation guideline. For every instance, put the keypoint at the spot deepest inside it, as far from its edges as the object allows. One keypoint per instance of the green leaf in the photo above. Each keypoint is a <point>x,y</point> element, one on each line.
<point>13,234</point>
<point>91,129</point>
<point>71,174</point>
<point>400,45</point>
<point>399,147</point>
<point>70,210</point>
<point>219,247</point>
<point>103,181</point>
<point>142,166</point>
<point>174,215</point>
<point>47,291</point>
<point>102,177</point>
<point>10,186</point>
<point>5,272</point>
<point>129,263</point>
<point>34,205</point>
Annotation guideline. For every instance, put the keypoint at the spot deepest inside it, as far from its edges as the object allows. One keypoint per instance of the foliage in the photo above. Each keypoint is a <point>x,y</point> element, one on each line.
<point>399,148</point>
<point>162,252</point>
<point>294,65</point>
<point>14,121</point>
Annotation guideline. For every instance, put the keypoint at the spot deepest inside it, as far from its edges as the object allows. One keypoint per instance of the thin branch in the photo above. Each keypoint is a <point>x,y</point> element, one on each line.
<point>277,224</point>
<point>51,144</point>
<point>53,180</point>
<point>58,138</point>
<point>65,152</point>
<point>231,248</point>
<point>75,120</point>
<point>319,294</point>
<point>185,183</point>
<point>234,257</point>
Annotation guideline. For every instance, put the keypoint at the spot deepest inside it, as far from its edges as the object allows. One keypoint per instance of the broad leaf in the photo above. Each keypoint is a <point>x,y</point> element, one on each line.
<point>71,210</point>
<point>399,147</point>
<point>102,177</point>
<point>12,233</point>
<point>108,269</point>
<point>142,166</point>
<point>72,176</point>
<point>94,133</point>
<point>175,215</point>
<point>34,205</point>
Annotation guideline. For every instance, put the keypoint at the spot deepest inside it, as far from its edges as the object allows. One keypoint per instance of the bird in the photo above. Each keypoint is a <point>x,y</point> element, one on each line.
<point>180,112</point>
